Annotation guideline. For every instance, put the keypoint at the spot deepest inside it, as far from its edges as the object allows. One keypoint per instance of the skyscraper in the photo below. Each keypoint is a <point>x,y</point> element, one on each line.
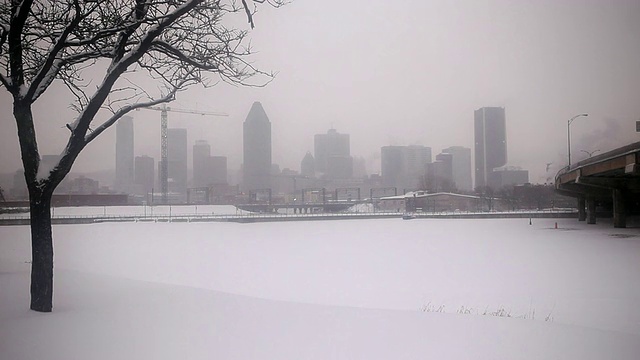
<point>217,170</point>
<point>177,156</point>
<point>490,142</point>
<point>439,174</point>
<point>415,159</point>
<point>461,164</point>
<point>201,172</point>
<point>308,165</point>
<point>404,166</point>
<point>144,173</point>
<point>332,155</point>
<point>124,154</point>
<point>391,165</point>
<point>256,146</point>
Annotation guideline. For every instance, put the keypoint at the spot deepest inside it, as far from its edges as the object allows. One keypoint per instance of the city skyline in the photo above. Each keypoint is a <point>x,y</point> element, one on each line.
<point>435,64</point>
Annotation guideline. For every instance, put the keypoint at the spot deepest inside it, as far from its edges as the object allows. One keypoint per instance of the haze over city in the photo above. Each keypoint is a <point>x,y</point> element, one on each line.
<point>400,75</point>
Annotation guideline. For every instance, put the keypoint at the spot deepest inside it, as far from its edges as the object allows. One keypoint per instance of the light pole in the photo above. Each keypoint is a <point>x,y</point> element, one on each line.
<point>569,135</point>
<point>590,153</point>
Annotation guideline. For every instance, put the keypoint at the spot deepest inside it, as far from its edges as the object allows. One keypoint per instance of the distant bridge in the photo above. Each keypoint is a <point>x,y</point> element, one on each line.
<point>610,178</point>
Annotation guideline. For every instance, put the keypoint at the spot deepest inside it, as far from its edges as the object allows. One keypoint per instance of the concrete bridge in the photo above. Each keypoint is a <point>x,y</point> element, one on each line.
<point>611,179</point>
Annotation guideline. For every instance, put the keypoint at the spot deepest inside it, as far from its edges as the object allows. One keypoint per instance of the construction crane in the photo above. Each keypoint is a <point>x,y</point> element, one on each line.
<point>164,141</point>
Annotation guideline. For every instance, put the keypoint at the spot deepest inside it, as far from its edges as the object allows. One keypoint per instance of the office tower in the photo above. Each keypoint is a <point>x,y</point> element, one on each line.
<point>332,155</point>
<point>201,171</point>
<point>415,159</point>
<point>490,142</point>
<point>439,174</point>
<point>124,154</point>
<point>216,170</point>
<point>461,164</point>
<point>391,165</point>
<point>144,173</point>
<point>177,157</point>
<point>359,168</point>
<point>308,165</point>
<point>403,166</point>
<point>256,170</point>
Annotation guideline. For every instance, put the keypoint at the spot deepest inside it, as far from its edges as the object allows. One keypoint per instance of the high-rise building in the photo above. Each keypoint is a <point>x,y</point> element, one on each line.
<point>217,170</point>
<point>124,154</point>
<point>403,166</point>
<point>490,142</point>
<point>144,173</point>
<point>208,170</point>
<point>391,165</point>
<point>360,168</point>
<point>308,166</point>
<point>256,170</point>
<point>439,174</point>
<point>416,158</point>
<point>177,157</point>
<point>201,171</point>
<point>461,166</point>
<point>332,155</point>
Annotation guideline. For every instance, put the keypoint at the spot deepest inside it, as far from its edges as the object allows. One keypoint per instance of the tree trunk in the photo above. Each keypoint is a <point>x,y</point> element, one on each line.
<point>41,253</point>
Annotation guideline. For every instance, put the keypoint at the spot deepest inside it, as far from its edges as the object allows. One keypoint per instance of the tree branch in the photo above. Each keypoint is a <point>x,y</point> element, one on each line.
<point>51,67</point>
<point>126,109</point>
<point>19,15</point>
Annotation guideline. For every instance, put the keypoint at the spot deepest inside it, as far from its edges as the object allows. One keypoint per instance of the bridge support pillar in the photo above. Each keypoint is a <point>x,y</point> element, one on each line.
<point>591,210</point>
<point>582,213</point>
<point>619,215</point>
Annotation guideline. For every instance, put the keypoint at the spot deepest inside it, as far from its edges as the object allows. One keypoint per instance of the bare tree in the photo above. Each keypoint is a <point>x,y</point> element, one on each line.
<point>175,43</point>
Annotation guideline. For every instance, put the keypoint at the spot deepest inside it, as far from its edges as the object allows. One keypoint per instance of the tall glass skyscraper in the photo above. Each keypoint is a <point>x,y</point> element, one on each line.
<point>490,142</point>
<point>256,170</point>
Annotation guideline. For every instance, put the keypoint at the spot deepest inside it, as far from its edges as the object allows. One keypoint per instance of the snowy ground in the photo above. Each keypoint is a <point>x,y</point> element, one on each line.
<point>351,289</point>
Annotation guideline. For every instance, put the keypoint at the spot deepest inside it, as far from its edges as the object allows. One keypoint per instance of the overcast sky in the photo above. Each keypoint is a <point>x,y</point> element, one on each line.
<point>406,72</point>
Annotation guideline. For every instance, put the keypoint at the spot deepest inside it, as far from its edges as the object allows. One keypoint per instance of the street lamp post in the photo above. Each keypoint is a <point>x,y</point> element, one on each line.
<point>590,153</point>
<point>569,135</point>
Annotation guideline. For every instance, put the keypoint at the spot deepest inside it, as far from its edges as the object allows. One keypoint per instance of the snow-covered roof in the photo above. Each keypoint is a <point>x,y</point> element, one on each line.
<point>424,194</point>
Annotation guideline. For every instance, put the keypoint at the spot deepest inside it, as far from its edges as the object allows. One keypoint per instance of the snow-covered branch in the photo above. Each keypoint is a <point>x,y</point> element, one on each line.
<point>126,109</point>
<point>51,65</point>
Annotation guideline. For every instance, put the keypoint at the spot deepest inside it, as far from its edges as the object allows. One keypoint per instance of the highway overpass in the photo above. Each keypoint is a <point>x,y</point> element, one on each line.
<point>610,180</point>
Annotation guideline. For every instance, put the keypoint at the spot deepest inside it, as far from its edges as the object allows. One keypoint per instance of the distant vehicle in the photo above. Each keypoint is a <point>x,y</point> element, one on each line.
<point>408,216</point>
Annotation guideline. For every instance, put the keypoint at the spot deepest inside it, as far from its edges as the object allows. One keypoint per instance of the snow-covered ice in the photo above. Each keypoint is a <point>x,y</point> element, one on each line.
<point>346,289</point>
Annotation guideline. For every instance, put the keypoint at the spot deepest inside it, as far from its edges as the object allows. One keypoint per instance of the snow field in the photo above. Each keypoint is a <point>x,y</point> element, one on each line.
<point>328,290</point>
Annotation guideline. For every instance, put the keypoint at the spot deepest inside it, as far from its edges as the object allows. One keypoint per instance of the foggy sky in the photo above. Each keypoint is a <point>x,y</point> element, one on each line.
<point>402,73</point>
